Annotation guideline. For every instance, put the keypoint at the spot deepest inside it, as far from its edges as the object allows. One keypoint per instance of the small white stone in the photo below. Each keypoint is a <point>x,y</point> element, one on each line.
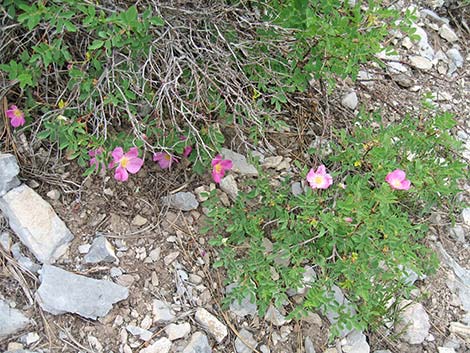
<point>54,194</point>
<point>420,63</point>
<point>211,323</point>
<point>407,43</point>
<point>138,221</point>
<point>84,249</point>
<point>445,350</point>
<point>447,33</point>
<point>177,331</point>
<point>466,216</point>
<point>171,257</point>
<point>350,100</point>
<point>163,345</point>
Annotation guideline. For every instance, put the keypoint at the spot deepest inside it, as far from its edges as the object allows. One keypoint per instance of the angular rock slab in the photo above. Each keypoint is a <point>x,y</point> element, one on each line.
<point>211,324</point>
<point>184,201</point>
<point>198,344</point>
<point>65,292</point>
<point>8,173</point>
<point>240,164</point>
<point>36,224</point>
<point>11,320</point>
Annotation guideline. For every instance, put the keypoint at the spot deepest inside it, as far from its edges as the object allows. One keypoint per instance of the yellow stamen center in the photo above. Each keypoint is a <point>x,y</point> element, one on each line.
<point>396,182</point>
<point>17,113</point>
<point>124,162</point>
<point>218,168</point>
<point>318,180</point>
<point>167,157</point>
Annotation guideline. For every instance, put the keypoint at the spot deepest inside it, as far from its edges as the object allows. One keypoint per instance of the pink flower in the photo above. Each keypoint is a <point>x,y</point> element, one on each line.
<point>187,151</point>
<point>93,154</point>
<point>219,166</point>
<point>348,219</point>
<point>16,116</point>
<point>128,162</point>
<point>397,180</point>
<point>319,179</point>
<point>165,160</point>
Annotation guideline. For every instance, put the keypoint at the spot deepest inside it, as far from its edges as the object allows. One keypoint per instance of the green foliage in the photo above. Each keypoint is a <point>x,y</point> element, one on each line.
<point>359,234</point>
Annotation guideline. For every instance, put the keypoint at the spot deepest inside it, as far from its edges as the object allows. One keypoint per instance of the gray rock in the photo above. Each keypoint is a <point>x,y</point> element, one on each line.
<point>100,251</point>
<point>163,345</point>
<point>176,331</point>
<point>456,60</point>
<point>162,312</point>
<point>248,338</point>
<point>297,189</point>
<point>143,334</point>
<point>396,68</point>
<point>434,16</point>
<point>308,344</point>
<point>383,351</point>
<point>272,162</point>
<point>458,233</point>
<point>333,316</point>
<point>11,320</point>
<point>5,241</point>
<point>350,100</point>
<point>244,308</point>
<point>211,324</point>
<point>198,344</point>
<point>8,173</point>
<point>275,317</point>
<point>420,62</point>
<point>414,323</point>
<point>366,77</point>
<point>23,260</point>
<point>139,221</point>
<point>445,350</point>
<point>447,33</point>
<point>229,185</point>
<point>53,194</point>
<point>65,292</point>
<point>425,49</point>
<point>466,216</point>
<point>356,343</point>
<point>36,224</point>
<point>240,164</point>
<point>403,81</point>
<point>184,201</point>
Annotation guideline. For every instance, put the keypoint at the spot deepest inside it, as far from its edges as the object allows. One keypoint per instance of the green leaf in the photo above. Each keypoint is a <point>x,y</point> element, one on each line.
<point>96,44</point>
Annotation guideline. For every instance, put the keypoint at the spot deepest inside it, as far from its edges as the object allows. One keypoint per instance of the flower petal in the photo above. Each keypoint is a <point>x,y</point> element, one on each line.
<point>321,170</point>
<point>226,164</point>
<point>134,165</point>
<point>121,174</point>
<point>217,177</point>
<point>311,175</point>
<point>216,160</point>
<point>133,153</point>
<point>117,154</point>
<point>405,185</point>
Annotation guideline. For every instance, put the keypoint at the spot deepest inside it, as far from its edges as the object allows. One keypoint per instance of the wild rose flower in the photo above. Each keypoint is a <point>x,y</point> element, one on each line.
<point>397,180</point>
<point>219,167</point>
<point>93,154</point>
<point>127,163</point>
<point>348,219</point>
<point>16,116</point>
<point>319,179</point>
<point>164,160</point>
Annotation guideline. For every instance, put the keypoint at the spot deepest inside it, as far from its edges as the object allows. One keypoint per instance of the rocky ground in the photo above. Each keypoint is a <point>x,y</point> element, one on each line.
<point>126,270</point>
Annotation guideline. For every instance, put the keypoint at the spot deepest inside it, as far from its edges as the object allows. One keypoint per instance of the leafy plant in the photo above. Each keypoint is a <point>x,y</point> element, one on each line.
<point>359,235</point>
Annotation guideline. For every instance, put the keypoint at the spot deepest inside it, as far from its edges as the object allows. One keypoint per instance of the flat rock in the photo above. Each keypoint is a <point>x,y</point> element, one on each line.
<point>240,164</point>
<point>163,345</point>
<point>456,60</point>
<point>333,316</point>
<point>248,344</point>
<point>420,63</point>
<point>229,185</point>
<point>445,350</point>
<point>403,80</point>
<point>36,224</point>
<point>177,331</point>
<point>308,344</point>
<point>447,33</point>
<point>66,292</point>
<point>275,317</point>
<point>100,251</point>
<point>211,324</point>
<point>198,344</point>
<point>272,162</point>
<point>356,342</point>
<point>244,308</point>
<point>143,334</point>
<point>8,173</point>
<point>466,216</point>
<point>139,221</point>
<point>11,320</point>
<point>162,312</point>
<point>414,323</point>
<point>350,100</point>
<point>184,201</point>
